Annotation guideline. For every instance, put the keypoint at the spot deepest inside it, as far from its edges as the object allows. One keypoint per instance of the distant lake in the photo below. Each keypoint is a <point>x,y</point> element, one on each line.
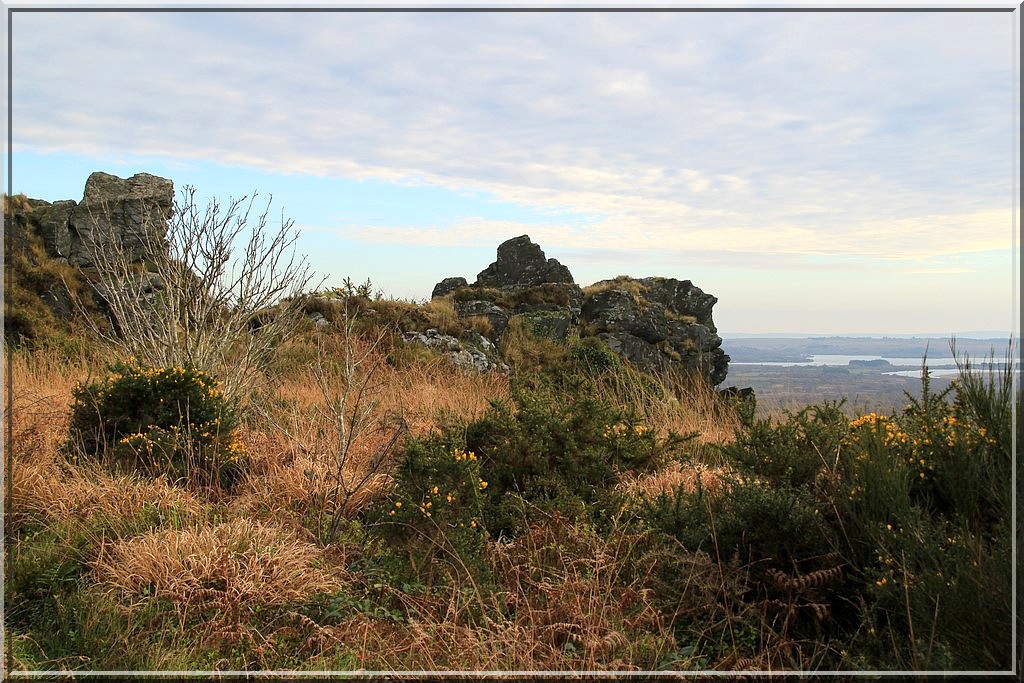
<point>936,373</point>
<point>843,361</point>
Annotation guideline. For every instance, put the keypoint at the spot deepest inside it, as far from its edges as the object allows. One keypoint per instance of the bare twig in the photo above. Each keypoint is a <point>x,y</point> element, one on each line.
<point>191,300</point>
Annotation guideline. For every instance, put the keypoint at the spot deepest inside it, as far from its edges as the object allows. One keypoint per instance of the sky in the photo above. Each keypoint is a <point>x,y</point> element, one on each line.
<point>820,172</point>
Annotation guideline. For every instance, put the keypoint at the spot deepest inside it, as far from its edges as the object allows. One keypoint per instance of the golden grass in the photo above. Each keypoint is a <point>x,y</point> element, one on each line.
<point>256,563</point>
<point>41,490</point>
<point>689,476</point>
<point>294,449</point>
<point>621,282</point>
<point>692,405</point>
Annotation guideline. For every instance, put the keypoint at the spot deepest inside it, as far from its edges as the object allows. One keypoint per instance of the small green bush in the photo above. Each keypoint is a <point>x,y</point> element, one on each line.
<point>751,519</point>
<point>560,450</point>
<point>161,421</point>
<point>435,508</point>
<point>593,356</point>
<point>793,452</point>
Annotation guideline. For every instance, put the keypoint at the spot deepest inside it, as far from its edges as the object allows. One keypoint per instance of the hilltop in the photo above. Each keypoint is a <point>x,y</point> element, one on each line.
<point>216,467</point>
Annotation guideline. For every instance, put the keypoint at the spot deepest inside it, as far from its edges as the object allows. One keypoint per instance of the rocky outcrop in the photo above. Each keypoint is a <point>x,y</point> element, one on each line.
<point>658,324</point>
<point>447,285</point>
<point>472,353</point>
<point>521,263</point>
<point>129,212</point>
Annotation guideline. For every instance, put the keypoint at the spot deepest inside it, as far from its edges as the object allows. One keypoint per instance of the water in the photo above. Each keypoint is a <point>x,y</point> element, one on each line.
<point>843,361</point>
<point>944,372</point>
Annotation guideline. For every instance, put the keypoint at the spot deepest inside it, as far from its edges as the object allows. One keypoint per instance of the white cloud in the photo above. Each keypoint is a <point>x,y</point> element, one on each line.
<point>885,136</point>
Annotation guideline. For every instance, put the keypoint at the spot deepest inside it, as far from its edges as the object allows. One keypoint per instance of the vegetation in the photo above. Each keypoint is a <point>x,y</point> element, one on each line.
<point>379,509</point>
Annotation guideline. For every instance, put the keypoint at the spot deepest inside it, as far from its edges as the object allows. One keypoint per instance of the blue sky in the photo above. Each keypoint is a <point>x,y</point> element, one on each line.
<point>818,172</point>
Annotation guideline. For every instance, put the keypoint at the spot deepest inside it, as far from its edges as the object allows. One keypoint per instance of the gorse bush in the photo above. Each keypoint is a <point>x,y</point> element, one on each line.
<point>760,523</point>
<point>161,421</point>
<point>434,513</point>
<point>559,450</point>
<point>926,514</point>
<point>794,451</point>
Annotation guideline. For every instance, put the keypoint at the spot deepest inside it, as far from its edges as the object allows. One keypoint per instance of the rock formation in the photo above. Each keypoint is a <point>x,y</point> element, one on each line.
<point>132,213</point>
<point>129,212</point>
<point>658,324</point>
<point>521,263</point>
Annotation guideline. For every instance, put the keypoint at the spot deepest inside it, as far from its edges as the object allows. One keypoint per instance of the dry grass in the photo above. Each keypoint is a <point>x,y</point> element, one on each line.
<point>222,575</point>
<point>691,406</point>
<point>689,476</point>
<point>41,490</point>
<point>259,563</point>
<point>565,607</point>
<point>620,282</point>
<point>294,449</point>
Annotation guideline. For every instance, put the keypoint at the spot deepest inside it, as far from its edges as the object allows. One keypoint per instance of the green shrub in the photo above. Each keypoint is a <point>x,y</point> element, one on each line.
<point>593,356</point>
<point>435,508</point>
<point>558,449</point>
<point>927,516</point>
<point>752,519</point>
<point>161,421</point>
<point>793,452</point>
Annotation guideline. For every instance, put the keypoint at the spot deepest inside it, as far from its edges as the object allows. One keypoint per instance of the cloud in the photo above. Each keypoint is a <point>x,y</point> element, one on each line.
<point>883,136</point>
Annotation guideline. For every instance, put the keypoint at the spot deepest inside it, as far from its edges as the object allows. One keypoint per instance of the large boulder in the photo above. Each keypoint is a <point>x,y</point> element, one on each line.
<point>448,285</point>
<point>130,214</point>
<point>521,263</point>
<point>658,324</point>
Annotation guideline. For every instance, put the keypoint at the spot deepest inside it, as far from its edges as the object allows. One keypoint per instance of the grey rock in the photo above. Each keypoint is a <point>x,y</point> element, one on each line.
<point>448,285</point>
<point>319,321</point>
<point>54,227</point>
<point>496,315</point>
<point>521,263</point>
<point>131,213</point>
<point>658,324</point>
<point>473,354</point>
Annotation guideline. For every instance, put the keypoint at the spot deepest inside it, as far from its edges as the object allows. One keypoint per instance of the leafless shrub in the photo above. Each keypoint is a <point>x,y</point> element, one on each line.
<point>192,300</point>
<point>351,405</point>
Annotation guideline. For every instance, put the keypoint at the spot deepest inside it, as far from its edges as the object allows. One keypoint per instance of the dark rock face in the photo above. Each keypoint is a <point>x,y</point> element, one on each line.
<point>132,213</point>
<point>448,285</point>
<point>496,315</point>
<point>521,263</point>
<point>657,324</point>
<point>54,220</point>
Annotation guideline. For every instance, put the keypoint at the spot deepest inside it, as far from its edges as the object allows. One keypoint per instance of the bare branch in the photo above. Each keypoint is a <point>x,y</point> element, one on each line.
<point>191,300</point>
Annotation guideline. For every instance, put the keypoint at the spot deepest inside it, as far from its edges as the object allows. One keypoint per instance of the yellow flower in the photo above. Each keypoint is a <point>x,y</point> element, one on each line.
<point>483,484</point>
<point>398,503</point>
<point>435,490</point>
